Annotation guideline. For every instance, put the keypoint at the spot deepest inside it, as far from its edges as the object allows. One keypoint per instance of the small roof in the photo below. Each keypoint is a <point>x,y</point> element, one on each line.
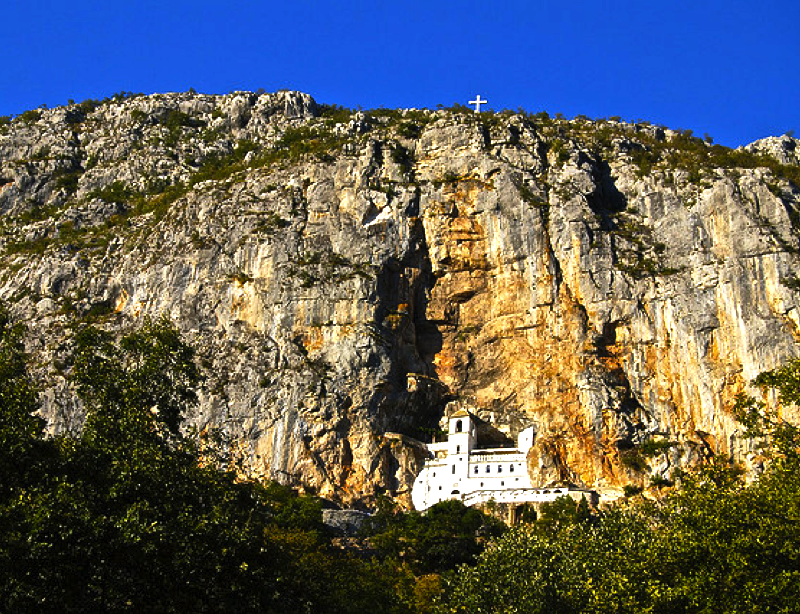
<point>461,413</point>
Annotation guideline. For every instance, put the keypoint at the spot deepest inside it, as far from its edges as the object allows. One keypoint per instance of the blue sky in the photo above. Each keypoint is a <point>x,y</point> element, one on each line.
<point>728,69</point>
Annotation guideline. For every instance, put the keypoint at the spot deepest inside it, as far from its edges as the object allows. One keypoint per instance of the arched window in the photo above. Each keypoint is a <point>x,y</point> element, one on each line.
<point>458,426</point>
<point>511,467</point>
<point>488,469</point>
<point>476,469</point>
<point>499,468</point>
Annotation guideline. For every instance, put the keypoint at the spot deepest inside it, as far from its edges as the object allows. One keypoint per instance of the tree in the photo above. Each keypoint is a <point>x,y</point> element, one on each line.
<point>563,512</point>
<point>444,536</point>
<point>19,427</point>
<point>714,544</point>
<point>780,437</point>
<point>130,516</point>
<point>138,389</point>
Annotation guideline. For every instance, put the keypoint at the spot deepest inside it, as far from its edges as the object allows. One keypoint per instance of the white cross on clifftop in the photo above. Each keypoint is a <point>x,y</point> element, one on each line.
<point>478,102</point>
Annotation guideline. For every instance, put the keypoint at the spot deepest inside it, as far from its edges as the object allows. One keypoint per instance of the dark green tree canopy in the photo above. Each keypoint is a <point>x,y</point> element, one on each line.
<point>138,387</point>
<point>18,398</point>
<point>131,517</point>
<point>715,544</point>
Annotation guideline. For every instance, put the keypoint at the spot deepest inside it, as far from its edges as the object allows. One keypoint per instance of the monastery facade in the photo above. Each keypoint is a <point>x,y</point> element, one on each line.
<point>458,469</point>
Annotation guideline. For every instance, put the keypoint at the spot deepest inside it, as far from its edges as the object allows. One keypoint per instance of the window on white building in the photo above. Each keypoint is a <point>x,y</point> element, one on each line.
<point>453,470</point>
<point>511,467</point>
<point>458,426</point>
<point>488,469</point>
<point>476,470</point>
<point>499,468</point>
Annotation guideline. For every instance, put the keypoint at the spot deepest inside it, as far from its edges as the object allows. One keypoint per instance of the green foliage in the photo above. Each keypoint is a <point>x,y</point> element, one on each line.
<point>587,568</point>
<point>654,447</point>
<point>295,143</point>
<point>303,141</point>
<point>765,424</point>
<point>42,155</point>
<point>31,116</point>
<point>410,129</point>
<point>67,179</point>
<point>36,213</point>
<point>461,109</point>
<point>221,167</point>
<point>559,149</point>
<point>407,124</point>
<point>651,150</point>
<point>563,512</point>
<point>640,256</point>
<point>336,113</point>
<point>446,535</point>
<point>631,491</point>
<point>175,121</point>
<point>713,544</point>
<point>632,459</point>
<point>785,380</point>
<point>537,202</point>
<point>394,115</point>
<point>269,222</point>
<point>139,116</point>
<point>134,515</point>
<point>317,267</point>
<point>18,399</point>
<point>114,192</point>
<point>659,481</point>
<point>33,247</point>
<point>137,389</point>
<point>240,277</point>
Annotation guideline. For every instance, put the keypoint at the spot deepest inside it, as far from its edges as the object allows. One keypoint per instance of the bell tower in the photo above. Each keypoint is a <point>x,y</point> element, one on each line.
<point>461,434</point>
<point>460,441</point>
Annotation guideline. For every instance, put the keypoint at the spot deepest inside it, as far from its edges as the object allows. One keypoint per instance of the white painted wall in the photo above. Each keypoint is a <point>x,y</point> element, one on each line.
<point>457,471</point>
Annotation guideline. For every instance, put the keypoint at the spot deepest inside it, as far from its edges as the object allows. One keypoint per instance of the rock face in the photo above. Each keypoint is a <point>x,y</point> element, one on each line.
<point>345,276</point>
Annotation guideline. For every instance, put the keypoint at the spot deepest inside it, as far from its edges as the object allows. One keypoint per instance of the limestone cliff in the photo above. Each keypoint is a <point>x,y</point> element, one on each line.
<point>347,275</point>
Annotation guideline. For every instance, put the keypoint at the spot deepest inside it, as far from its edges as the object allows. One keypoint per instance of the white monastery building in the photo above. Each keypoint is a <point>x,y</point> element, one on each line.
<point>458,469</point>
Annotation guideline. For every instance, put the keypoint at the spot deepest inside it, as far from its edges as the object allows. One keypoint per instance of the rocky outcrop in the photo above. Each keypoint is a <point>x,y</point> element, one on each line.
<point>784,148</point>
<point>346,275</point>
